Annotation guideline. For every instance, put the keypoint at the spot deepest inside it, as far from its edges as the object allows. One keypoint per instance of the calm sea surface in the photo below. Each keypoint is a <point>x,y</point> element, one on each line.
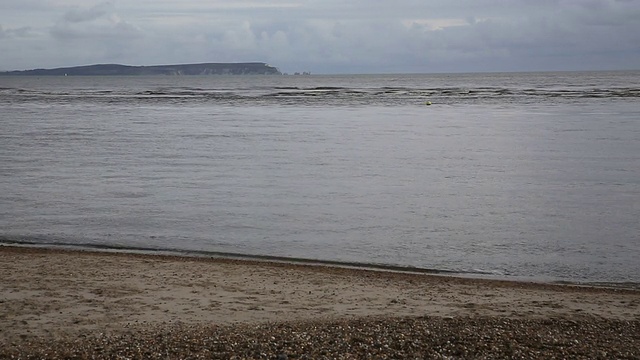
<point>514,175</point>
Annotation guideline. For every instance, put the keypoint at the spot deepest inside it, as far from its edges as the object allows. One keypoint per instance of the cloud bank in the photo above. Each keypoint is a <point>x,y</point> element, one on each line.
<point>328,36</point>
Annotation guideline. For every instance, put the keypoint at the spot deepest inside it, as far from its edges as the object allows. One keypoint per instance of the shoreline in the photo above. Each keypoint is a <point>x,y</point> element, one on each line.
<point>221,255</point>
<point>68,298</point>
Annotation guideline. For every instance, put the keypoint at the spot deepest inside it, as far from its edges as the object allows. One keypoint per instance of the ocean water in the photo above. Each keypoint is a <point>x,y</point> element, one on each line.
<point>528,175</point>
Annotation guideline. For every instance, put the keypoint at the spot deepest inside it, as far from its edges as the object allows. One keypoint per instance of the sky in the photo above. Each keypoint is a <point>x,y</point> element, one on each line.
<point>326,36</point>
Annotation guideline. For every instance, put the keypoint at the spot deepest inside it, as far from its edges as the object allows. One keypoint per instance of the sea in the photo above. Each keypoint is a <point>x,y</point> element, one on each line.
<point>531,176</point>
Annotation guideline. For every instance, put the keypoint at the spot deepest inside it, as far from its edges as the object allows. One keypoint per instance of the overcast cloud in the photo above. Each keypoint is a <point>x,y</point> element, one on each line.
<point>325,36</point>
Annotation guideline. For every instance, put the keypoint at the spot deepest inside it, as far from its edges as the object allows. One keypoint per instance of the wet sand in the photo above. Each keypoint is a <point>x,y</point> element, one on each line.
<point>57,297</point>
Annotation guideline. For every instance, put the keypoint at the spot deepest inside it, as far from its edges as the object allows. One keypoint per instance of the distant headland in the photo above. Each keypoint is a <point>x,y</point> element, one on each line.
<point>252,68</point>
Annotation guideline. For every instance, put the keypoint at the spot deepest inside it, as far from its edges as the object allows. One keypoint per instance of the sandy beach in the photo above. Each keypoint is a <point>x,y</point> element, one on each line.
<point>80,304</point>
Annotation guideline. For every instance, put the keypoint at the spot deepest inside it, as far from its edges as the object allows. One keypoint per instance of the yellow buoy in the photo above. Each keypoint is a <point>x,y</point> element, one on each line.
<point>428,103</point>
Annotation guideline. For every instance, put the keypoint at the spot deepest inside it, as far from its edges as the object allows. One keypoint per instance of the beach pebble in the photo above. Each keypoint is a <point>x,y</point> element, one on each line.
<point>357,338</point>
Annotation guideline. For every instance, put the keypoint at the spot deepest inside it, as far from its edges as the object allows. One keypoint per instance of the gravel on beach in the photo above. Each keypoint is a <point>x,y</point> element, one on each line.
<point>355,338</point>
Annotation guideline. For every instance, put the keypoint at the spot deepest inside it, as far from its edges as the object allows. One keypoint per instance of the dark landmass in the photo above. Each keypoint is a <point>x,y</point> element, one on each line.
<point>181,69</point>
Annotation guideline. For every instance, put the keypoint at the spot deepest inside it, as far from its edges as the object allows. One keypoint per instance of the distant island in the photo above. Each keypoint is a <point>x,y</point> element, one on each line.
<point>253,68</point>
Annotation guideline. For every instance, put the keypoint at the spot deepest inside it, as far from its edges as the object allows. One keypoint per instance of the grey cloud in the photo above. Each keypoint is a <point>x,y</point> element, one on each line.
<point>23,5</point>
<point>17,32</point>
<point>527,41</point>
<point>93,13</point>
<point>349,36</point>
<point>99,22</point>
<point>119,32</point>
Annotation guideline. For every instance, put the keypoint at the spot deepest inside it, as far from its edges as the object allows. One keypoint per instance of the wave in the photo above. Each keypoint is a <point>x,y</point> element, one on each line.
<point>61,244</point>
<point>474,273</point>
<point>384,95</point>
